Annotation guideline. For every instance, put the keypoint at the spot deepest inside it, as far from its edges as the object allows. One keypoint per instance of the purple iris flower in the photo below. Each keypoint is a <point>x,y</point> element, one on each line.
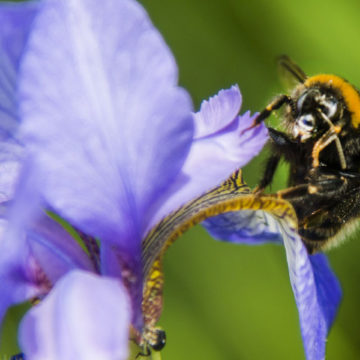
<point>107,141</point>
<point>96,130</point>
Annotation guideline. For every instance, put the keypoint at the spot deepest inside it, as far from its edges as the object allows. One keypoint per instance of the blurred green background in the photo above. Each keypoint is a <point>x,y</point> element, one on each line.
<point>224,301</point>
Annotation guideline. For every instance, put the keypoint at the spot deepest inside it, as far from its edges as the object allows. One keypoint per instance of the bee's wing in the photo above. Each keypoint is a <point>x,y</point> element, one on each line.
<point>290,74</point>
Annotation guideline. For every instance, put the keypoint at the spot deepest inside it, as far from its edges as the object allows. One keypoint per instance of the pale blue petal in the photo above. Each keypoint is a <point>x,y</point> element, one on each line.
<point>244,227</point>
<point>316,288</point>
<point>328,287</point>
<point>102,114</point>
<point>84,317</point>
<point>317,294</point>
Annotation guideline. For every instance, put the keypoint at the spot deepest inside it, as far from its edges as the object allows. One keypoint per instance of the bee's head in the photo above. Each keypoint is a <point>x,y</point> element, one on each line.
<point>313,106</point>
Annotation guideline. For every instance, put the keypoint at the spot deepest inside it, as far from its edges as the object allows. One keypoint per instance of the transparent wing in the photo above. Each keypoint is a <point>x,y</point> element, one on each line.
<point>290,74</point>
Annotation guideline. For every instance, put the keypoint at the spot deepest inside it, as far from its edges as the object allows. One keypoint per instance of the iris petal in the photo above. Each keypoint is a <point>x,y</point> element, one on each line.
<point>217,112</point>
<point>244,227</point>
<point>214,155</point>
<point>15,20</point>
<point>317,294</point>
<point>55,250</point>
<point>328,287</point>
<point>16,286</point>
<point>102,114</point>
<point>35,250</point>
<point>316,289</point>
<point>84,317</point>
<point>11,155</point>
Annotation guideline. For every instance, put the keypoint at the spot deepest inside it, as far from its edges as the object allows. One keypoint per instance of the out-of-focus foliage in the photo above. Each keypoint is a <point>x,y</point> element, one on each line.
<point>224,301</point>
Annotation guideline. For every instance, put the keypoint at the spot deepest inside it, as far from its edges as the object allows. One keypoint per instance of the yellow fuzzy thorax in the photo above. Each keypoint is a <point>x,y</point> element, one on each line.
<point>349,93</point>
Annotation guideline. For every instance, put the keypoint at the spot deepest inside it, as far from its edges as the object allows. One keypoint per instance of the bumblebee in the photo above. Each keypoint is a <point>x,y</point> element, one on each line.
<point>321,143</point>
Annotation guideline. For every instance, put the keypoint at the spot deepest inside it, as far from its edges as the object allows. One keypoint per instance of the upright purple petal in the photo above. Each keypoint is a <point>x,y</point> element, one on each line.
<point>84,317</point>
<point>11,155</point>
<point>220,147</point>
<point>102,114</point>
<point>15,20</point>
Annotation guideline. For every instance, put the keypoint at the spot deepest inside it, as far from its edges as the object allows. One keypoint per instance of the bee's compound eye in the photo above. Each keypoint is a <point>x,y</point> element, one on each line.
<point>301,100</point>
<point>306,122</point>
<point>160,340</point>
<point>331,106</point>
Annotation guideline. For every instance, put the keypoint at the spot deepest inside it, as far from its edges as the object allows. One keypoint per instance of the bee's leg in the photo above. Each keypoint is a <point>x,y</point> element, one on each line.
<point>327,182</point>
<point>330,199</point>
<point>281,144</point>
<point>293,193</point>
<point>310,211</point>
<point>330,136</point>
<point>270,168</point>
<point>323,186</point>
<point>317,228</point>
<point>274,105</point>
<point>322,192</point>
<point>280,140</point>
